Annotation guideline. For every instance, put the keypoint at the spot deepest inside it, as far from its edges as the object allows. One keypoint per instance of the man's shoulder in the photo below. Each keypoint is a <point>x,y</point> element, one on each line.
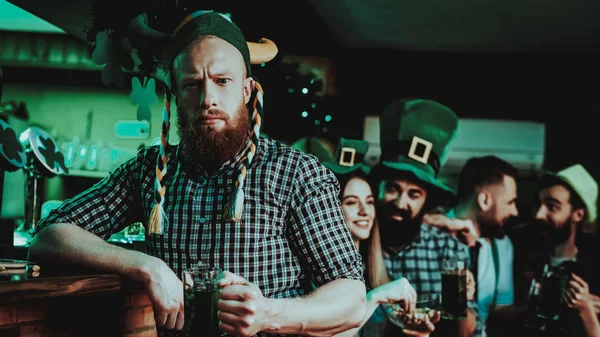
<point>439,237</point>
<point>148,154</point>
<point>278,152</point>
<point>144,158</point>
<point>588,243</point>
<point>587,238</point>
<point>433,232</point>
<point>145,151</point>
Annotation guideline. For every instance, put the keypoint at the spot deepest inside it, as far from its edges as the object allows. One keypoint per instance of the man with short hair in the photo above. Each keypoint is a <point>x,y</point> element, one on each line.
<point>487,195</point>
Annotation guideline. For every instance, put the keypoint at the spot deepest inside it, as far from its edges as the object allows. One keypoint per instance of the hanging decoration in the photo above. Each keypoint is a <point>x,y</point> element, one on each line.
<point>12,154</point>
<point>143,95</point>
<point>43,154</point>
<point>114,58</point>
<point>111,38</point>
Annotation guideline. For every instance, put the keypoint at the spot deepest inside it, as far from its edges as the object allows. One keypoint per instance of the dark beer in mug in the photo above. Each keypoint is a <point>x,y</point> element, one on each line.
<point>454,291</point>
<point>532,321</point>
<point>201,294</point>
<point>201,313</point>
<point>551,295</point>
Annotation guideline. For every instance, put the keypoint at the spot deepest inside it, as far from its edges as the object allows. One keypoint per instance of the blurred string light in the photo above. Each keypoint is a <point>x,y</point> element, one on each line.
<point>307,89</point>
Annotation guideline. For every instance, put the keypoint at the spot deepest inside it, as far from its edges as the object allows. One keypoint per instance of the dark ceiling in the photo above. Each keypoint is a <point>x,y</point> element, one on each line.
<point>320,26</point>
<point>465,25</point>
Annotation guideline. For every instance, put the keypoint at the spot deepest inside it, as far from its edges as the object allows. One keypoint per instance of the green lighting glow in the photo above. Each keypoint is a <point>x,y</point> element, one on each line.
<point>13,18</point>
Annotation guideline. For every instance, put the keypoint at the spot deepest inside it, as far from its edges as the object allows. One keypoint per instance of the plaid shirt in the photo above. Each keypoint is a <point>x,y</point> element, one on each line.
<point>293,231</point>
<point>421,260</point>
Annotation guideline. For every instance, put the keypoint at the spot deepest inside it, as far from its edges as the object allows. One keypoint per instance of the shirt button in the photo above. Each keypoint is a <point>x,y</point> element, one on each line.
<point>202,220</point>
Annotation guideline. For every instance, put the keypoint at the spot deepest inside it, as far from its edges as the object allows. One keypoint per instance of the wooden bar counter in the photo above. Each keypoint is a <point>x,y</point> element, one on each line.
<point>73,305</point>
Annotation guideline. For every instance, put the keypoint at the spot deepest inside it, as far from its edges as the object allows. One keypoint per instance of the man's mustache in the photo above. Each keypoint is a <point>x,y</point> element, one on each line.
<point>543,226</point>
<point>211,113</point>
<point>392,211</point>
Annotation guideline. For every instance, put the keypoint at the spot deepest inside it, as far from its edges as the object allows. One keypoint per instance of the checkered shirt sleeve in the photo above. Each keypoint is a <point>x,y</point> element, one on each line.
<point>317,226</point>
<point>107,207</point>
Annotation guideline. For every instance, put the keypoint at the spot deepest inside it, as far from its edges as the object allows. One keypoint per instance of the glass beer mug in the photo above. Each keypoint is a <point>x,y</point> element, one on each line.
<point>201,293</point>
<point>532,321</point>
<point>454,289</point>
<point>551,294</point>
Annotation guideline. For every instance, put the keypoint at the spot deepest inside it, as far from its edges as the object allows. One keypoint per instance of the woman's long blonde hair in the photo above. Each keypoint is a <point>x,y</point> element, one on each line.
<point>372,253</point>
<point>376,273</point>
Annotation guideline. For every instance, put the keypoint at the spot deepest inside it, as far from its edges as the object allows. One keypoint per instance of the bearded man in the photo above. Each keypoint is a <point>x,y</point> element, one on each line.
<point>266,214</point>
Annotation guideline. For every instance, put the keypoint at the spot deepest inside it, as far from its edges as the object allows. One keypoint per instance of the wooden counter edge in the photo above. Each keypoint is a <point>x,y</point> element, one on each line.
<point>50,287</point>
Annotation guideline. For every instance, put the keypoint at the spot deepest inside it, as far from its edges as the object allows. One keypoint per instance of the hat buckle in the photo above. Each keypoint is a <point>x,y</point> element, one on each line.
<point>412,152</point>
<point>347,151</point>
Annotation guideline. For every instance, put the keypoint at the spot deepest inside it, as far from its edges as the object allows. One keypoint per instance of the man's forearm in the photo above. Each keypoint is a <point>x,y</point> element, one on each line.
<point>466,327</point>
<point>590,321</point>
<point>595,303</point>
<point>333,308</point>
<point>372,304</point>
<point>67,243</point>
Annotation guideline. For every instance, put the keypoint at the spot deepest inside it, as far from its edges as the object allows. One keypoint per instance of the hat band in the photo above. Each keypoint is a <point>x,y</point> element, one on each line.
<point>349,157</point>
<point>411,149</point>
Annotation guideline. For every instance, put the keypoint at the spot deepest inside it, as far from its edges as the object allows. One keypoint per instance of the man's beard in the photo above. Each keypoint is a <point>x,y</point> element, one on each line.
<point>490,227</point>
<point>395,234</point>
<point>206,148</point>
<point>556,235</point>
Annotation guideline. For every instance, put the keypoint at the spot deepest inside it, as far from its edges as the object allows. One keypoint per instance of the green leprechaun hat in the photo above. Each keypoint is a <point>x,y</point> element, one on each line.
<point>349,157</point>
<point>415,137</point>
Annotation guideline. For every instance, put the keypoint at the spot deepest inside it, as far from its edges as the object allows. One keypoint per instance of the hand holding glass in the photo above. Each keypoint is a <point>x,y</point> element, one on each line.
<point>201,293</point>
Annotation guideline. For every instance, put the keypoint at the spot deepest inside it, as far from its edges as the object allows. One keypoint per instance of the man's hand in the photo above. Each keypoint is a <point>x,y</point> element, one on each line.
<point>242,308</point>
<point>165,290</point>
<point>398,291</point>
<point>595,302</point>
<point>463,229</point>
<point>401,291</point>
<point>577,294</point>
<point>427,325</point>
<point>471,284</point>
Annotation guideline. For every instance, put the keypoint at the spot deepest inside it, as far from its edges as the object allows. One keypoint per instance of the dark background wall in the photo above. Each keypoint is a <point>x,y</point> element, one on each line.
<point>560,90</point>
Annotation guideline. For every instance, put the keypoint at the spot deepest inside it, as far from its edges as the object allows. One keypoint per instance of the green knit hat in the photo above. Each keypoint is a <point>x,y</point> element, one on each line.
<point>202,23</point>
